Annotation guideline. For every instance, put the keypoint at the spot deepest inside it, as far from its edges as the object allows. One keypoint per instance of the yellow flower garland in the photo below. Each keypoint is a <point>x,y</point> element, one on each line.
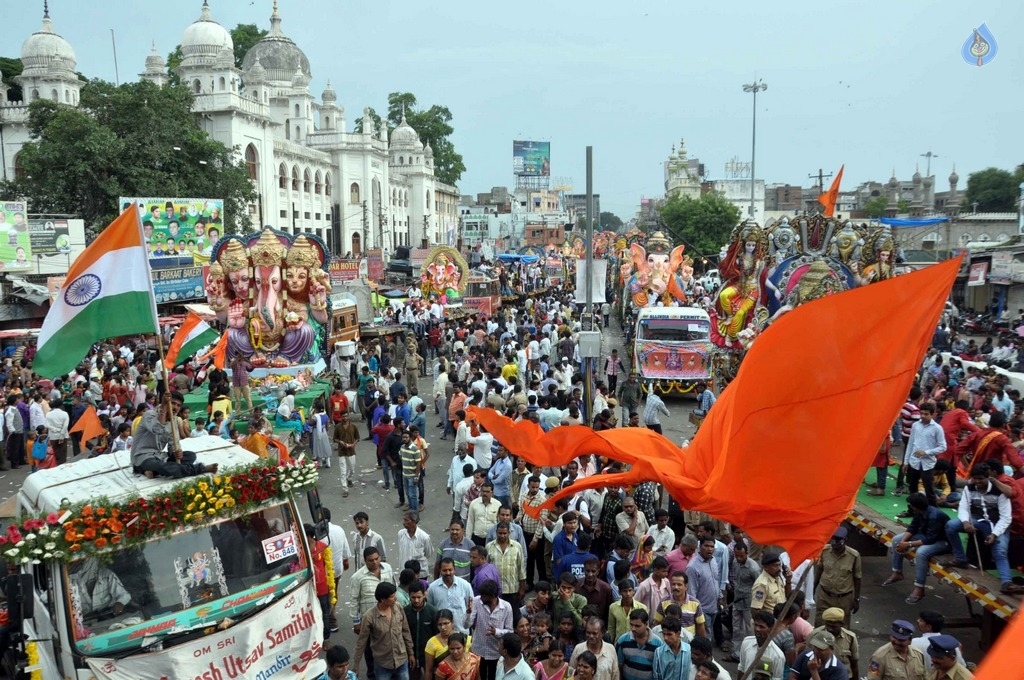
<point>329,568</point>
<point>33,660</point>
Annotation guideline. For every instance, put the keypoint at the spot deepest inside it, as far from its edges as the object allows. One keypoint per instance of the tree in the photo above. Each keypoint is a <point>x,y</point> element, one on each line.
<point>902,206</point>
<point>134,140</point>
<point>244,36</point>
<point>11,68</point>
<point>994,190</point>
<point>876,207</point>
<point>609,221</point>
<point>374,116</point>
<point>434,127</point>
<point>704,224</point>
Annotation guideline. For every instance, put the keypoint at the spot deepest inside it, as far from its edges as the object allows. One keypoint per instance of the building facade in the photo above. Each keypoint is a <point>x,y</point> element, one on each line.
<point>355,190</point>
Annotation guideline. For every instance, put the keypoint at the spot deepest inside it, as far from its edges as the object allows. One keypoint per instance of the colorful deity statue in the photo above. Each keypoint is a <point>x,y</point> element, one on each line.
<point>847,244</point>
<point>216,290</point>
<point>743,274</point>
<point>234,259</point>
<point>444,275</point>
<point>267,322</point>
<point>878,261</point>
<point>656,271</point>
<point>306,285</point>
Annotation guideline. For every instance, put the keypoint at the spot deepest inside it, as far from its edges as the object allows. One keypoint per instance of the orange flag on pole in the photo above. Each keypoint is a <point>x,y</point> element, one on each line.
<point>1004,659</point>
<point>88,424</point>
<point>831,197</point>
<point>788,443</point>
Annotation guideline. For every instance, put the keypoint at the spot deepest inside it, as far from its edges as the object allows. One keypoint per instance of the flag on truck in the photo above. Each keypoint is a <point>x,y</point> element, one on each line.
<point>108,292</point>
<point>193,335</point>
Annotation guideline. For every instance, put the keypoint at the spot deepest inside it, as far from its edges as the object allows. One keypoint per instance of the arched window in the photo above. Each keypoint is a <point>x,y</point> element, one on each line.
<point>67,96</point>
<point>1002,237</point>
<point>251,162</point>
<point>327,185</point>
<point>318,184</point>
<point>223,84</point>
<point>296,110</point>
<point>405,199</point>
<point>298,133</point>
<point>307,181</point>
<point>327,122</point>
<point>35,94</point>
<point>295,178</point>
<point>401,160</point>
<point>984,237</point>
<point>197,86</point>
<point>353,193</point>
<point>965,238</point>
<point>357,244</point>
<point>934,236</point>
<point>19,170</point>
<point>54,96</point>
<point>428,200</point>
<point>282,179</point>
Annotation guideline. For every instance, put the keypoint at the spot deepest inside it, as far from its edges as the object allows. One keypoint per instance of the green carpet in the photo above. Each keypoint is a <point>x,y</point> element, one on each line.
<point>196,402</point>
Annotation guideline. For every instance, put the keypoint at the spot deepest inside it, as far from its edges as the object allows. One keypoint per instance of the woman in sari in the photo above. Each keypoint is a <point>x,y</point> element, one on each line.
<point>460,664</point>
<point>553,667</point>
<point>586,666</point>
<point>640,565</point>
<point>436,650</point>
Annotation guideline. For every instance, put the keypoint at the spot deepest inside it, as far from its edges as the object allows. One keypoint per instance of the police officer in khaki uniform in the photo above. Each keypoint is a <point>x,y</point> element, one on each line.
<point>897,660</point>
<point>770,587</point>
<point>945,666</point>
<point>847,647</point>
<point>837,579</point>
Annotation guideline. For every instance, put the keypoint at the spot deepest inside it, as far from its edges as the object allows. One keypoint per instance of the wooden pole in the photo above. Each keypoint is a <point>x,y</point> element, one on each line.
<point>175,435</point>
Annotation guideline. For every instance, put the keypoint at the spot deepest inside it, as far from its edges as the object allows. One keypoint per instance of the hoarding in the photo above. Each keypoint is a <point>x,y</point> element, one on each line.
<point>49,237</point>
<point>15,244</point>
<point>179,227</point>
<point>375,265</point>
<point>531,159</point>
<point>344,270</point>
<point>178,284</point>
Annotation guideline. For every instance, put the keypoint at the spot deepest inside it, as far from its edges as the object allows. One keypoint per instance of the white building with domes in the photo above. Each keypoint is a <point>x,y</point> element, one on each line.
<point>356,190</point>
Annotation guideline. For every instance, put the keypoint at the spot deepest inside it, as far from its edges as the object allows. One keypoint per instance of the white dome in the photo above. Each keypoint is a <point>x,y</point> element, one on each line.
<point>256,73</point>
<point>154,61</point>
<point>204,38</point>
<point>279,54</point>
<point>45,51</point>
<point>404,136</point>
<point>329,95</point>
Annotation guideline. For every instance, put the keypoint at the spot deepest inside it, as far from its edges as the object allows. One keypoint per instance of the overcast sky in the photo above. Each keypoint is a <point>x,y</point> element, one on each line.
<point>871,84</point>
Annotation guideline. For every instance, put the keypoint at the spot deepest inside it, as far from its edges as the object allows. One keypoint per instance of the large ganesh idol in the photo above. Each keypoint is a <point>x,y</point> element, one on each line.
<point>656,272</point>
<point>272,292</point>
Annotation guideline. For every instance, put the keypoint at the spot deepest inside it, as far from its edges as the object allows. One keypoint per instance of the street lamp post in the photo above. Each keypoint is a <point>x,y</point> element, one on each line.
<point>755,87</point>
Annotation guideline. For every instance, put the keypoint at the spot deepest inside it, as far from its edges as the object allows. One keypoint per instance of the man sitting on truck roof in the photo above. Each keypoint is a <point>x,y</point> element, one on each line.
<point>153,436</point>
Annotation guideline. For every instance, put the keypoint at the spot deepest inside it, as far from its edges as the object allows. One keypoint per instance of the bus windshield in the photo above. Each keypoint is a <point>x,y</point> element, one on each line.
<point>124,599</point>
<point>674,330</point>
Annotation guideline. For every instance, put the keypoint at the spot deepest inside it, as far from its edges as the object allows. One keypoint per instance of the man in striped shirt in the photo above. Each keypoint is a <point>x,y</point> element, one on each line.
<point>652,410</point>
<point>909,414</point>
<point>636,648</point>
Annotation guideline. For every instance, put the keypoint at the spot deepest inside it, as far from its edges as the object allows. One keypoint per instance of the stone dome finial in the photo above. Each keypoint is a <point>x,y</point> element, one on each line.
<point>226,57</point>
<point>204,38</point>
<point>953,177</point>
<point>154,60</point>
<point>329,95</point>
<point>45,51</point>
<point>279,54</point>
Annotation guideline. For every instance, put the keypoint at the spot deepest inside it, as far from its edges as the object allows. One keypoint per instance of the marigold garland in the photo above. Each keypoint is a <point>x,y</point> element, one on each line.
<point>32,655</point>
<point>332,588</point>
<point>92,528</point>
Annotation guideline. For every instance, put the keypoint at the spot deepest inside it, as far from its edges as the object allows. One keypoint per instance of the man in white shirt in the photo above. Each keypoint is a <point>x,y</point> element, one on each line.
<point>414,544</point>
<point>341,556</point>
<point>926,442</point>
<point>664,537</point>
<point>481,446</point>
<point>57,421</point>
<point>773,656</point>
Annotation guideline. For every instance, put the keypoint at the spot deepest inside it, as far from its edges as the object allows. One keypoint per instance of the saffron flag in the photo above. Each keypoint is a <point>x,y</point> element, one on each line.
<point>88,424</point>
<point>193,335</point>
<point>831,197</point>
<point>785,448</point>
<point>108,292</point>
<point>219,352</point>
<point>1004,659</point>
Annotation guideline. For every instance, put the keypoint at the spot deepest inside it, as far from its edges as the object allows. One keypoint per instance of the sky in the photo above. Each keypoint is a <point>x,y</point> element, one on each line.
<point>873,84</point>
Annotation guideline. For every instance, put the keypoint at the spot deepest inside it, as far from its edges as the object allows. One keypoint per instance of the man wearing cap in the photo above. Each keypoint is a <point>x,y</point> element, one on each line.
<point>819,660</point>
<point>896,659</point>
<point>846,647</point>
<point>771,587</point>
<point>837,578</point>
<point>943,651</point>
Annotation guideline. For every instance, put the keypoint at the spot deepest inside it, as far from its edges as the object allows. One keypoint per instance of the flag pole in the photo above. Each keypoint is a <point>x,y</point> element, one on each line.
<point>777,628</point>
<point>175,435</point>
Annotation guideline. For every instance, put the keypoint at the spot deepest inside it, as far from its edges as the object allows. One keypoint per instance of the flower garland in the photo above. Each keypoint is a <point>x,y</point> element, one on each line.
<point>89,529</point>
<point>332,587</point>
<point>32,656</point>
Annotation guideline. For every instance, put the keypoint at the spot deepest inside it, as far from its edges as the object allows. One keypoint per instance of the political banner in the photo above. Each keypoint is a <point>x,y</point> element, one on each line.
<point>49,237</point>
<point>15,244</point>
<point>179,227</point>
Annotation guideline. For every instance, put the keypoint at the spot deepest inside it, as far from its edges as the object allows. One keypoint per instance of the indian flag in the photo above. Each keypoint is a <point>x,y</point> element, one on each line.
<point>108,292</point>
<point>193,335</point>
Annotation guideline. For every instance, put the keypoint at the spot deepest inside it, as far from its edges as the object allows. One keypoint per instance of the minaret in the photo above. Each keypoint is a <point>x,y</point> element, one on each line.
<point>300,105</point>
<point>156,69</point>
<point>953,201</point>
<point>331,116</point>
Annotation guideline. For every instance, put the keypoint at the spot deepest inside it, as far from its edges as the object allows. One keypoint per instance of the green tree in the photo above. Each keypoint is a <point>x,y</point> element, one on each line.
<point>434,127</point>
<point>994,190</point>
<point>876,207</point>
<point>902,206</point>
<point>11,68</point>
<point>609,221</point>
<point>132,140</point>
<point>244,36</point>
<point>374,116</point>
<point>704,224</point>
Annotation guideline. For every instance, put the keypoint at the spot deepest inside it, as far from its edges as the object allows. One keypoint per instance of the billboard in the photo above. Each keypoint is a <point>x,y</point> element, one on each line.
<point>49,237</point>
<point>375,265</point>
<point>179,227</point>
<point>531,159</point>
<point>343,270</point>
<point>15,244</point>
<point>178,284</point>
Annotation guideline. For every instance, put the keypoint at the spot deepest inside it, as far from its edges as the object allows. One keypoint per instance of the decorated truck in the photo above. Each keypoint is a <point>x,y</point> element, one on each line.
<point>672,347</point>
<point>116,576</point>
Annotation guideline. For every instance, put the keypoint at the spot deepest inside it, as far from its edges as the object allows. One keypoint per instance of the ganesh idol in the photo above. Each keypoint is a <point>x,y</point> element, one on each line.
<point>267,322</point>
<point>656,271</point>
<point>743,275</point>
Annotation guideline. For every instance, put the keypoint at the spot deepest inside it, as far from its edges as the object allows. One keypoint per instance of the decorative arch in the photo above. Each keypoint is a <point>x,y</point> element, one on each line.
<point>252,162</point>
<point>223,84</point>
<point>353,193</point>
<point>427,203</point>
<point>327,185</point>
<point>295,178</point>
<point>297,114</point>
<point>19,169</point>
<point>1002,237</point>
<point>54,95</point>
<point>282,180</point>
<point>307,181</point>
<point>318,183</point>
<point>197,86</point>
<point>405,199</point>
<point>357,244</point>
<point>35,94</point>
